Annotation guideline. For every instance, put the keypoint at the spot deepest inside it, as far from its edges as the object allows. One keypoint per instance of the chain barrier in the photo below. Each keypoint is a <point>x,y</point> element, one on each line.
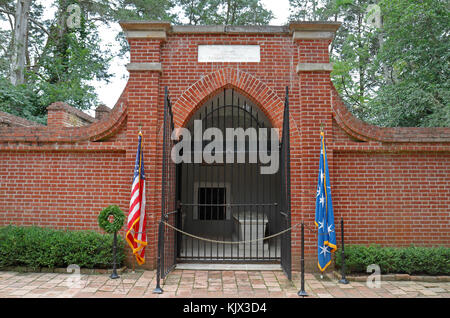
<point>230,242</point>
<point>310,229</point>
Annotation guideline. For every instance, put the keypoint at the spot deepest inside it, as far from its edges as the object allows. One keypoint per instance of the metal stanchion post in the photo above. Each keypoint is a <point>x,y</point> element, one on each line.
<point>114,272</point>
<point>158,289</point>
<point>343,280</point>
<point>302,291</point>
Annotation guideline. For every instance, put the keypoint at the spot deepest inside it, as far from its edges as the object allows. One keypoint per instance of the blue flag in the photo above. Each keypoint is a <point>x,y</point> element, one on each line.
<point>326,236</point>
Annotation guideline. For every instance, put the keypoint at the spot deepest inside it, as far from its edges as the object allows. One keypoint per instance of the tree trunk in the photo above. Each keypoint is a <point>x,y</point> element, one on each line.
<point>228,12</point>
<point>386,72</point>
<point>20,42</point>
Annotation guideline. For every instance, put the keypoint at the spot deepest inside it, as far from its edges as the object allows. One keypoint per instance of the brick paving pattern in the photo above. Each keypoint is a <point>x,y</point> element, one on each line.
<point>196,283</point>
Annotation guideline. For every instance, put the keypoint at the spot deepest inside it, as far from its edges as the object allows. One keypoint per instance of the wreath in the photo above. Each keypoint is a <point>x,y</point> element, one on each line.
<point>117,219</point>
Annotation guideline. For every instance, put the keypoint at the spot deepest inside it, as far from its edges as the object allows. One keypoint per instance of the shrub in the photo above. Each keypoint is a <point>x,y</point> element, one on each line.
<point>409,260</point>
<point>41,247</point>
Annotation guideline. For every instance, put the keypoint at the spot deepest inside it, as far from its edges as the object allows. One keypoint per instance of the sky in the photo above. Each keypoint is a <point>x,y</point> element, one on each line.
<point>109,93</point>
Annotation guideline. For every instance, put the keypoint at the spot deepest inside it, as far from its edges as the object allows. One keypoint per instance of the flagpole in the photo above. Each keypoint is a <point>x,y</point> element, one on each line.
<point>114,271</point>
<point>343,279</point>
<point>302,291</point>
<point>324,210</point>
<point>139,134</point>
<point>322,134</point>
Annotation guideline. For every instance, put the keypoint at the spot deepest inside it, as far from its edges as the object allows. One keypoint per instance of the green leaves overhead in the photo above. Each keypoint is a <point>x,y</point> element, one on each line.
<point>227,12</point>
<point>416,52</point>
<point>394,74</point>
<point>145,10</point>
<point>61,59</point>
<point>64,56</point>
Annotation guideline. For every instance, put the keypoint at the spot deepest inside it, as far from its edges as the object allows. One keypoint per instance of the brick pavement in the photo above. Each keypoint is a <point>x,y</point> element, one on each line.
<point>197,283</point>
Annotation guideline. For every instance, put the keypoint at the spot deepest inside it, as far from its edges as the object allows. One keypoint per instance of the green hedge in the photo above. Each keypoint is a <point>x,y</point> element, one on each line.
<point>409,260</point>
<point>36,247</point>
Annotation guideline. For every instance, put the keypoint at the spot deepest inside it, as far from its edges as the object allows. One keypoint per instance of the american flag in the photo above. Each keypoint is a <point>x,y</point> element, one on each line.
<point>136,236</point>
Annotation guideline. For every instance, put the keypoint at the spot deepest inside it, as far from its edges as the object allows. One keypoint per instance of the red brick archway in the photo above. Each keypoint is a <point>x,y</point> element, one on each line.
<point>257,91</point>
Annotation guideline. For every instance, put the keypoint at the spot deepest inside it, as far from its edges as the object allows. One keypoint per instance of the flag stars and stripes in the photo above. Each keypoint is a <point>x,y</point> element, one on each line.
<point>136,234</point>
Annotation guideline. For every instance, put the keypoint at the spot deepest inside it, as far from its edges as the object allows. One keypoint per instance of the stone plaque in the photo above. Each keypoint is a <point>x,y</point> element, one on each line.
<point>228,53</point>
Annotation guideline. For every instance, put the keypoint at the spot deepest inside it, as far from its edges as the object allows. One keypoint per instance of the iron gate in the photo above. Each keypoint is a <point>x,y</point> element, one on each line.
<point>226,203</point>
<point>285,203</point>
<point>226,212</point>
<point>167,237</point>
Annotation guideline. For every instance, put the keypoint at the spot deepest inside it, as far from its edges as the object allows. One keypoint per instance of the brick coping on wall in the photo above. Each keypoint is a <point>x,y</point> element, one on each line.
<point>374,138</point>
<point>10,120</point>
<point>76,137</point>
<point>367,132</point>
<point>165,26</point>
<point>71,110</point>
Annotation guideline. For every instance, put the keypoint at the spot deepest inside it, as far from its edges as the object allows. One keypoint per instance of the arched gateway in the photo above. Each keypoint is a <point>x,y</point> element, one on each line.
<point>226,185</point>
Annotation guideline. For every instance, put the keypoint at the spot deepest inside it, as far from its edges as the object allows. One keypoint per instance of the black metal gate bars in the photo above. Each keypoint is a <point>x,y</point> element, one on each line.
<point>285,203</point>
<point>225,210</point>
<point>167,242</point>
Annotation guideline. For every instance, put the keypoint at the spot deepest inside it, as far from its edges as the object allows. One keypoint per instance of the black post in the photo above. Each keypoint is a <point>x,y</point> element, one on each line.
<point>343,280</point>
<point>114,272</point>
<point>158,289</point>
<point>159,260</point>
<point>302,291</point>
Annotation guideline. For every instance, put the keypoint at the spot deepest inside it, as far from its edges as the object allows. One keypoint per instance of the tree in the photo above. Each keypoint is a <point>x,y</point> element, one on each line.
<point>55,60</point>
<point>416,51</point>
<point>200,11</point>
<point>225,12</point>
<point>19,43</point>
<point>311,10</point>
<point>355,74</point>
<point>145,10</point>
<point>395,73</point>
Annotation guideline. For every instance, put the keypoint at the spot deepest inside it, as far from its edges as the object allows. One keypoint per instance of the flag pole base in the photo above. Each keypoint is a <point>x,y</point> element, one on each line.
<point>158,290</point>
<point>343,281</point>
<point>114,276</point>
<point>302,293</point>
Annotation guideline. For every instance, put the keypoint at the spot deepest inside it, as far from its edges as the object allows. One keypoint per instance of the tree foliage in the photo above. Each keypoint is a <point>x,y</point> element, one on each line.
<point>395,73</point>
<point>63,55</point>
<point>226,12</point>
<point>417,54</point>
<point>62,58</point>
<point>146,10</point>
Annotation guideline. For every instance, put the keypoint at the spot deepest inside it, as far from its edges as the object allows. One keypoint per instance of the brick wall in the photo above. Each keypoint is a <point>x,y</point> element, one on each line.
<point>393,199</point>
<point>8,120</point>
<point>62,114</point>
<point>390,184</point>
<point>60,189</point>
